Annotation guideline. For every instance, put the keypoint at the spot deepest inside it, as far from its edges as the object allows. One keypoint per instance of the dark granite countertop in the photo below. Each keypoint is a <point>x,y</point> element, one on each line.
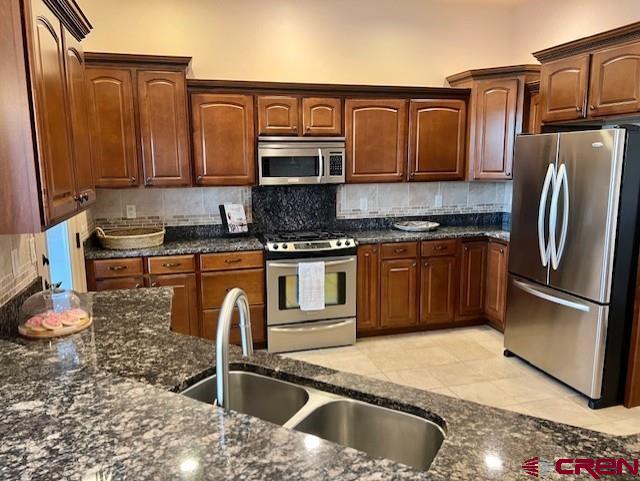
<point>178,247</point>
<point>98,405</point>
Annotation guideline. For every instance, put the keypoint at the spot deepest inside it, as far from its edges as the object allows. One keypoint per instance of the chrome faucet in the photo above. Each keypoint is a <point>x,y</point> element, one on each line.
<point>235,297</point>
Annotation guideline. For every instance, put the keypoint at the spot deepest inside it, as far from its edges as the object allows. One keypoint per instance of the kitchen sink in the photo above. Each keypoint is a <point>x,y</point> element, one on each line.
<point>378,431</point>
<point>260,396</point>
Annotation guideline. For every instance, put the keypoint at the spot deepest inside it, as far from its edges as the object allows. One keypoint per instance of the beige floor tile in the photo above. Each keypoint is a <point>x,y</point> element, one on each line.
<point>484,393</point>
<point>469,351</point>
<point>418,378</point>
<point>499,367</point>
<point>354,363</point>
<point>444,391</point>
<point>524,389</point>
<point>457,374</point>
<point>622,427</point>
<point>412,358</point>
<point>558,410</point>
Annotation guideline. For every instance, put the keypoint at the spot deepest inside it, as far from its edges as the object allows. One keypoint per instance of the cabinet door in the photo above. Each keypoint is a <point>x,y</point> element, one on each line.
<point>119,283</point>
<point>563,88</point>
<point>615,81</point>
<point>437,137</point>
<point>162,112</point>
<point>375,140</point>
<point>321,116</point>
<point>496,290</point>
<point>277,115</point>
<point>112,127</point>
<point>52,116</point>
<point>79,109</point>
<point>495,128</point>
<point>368,286</point>
<point>398,282</point>
<point>473,262</point>
<point>184,305</point>
<point>438,281</point>
<point>258,328</point>
<point>533,121</point>
<point>223,139</point>
<point>216,285</point>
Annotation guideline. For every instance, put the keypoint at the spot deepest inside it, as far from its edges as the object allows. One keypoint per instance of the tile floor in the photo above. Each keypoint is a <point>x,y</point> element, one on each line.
<point>467,363</point>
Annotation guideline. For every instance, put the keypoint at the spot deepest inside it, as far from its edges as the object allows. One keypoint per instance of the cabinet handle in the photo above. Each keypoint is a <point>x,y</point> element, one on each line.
<point>232,261</point>
<point>426,264</point>
<point>171,264</point>
<point>138,285</point>
<point>374,250</point>
<point>154,284</point>
<point>77,198</point>
<point>85,197</point>
<point>294,127</point>
<point>439,247</point>
<point>399,250</point>
<point>466,248</point>
<point>132,180</point>
<point>501,251</point>
<point>591,107</point>
<point>117,268</point>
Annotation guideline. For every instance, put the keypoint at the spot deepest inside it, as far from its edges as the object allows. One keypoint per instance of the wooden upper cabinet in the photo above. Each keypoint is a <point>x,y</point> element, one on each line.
<point>321,116</point>
<point>164,137</point>
<point>496,288</point>
<point>278,115</point>
<point>53,124</point>
<point>615,81</point>
<point>368,286</point>
<point>375,140</point>
<point>437,138</point>
<point>79,110</point>
<point>223,139</point>
<point>563,88</point>
<point>532,122</point>
<point>495,128</point>
<point>473,264</point>
<point>438,287</point>
<point>113,132</point>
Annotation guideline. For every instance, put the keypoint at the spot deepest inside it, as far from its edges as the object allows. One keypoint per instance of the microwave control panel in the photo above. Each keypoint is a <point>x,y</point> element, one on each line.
<point>335,164</point>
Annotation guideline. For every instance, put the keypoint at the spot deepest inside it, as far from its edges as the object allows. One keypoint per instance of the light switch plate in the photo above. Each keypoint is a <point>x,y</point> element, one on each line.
<point>438,200</point>
<point>131,211</point>
<point>14,262</point>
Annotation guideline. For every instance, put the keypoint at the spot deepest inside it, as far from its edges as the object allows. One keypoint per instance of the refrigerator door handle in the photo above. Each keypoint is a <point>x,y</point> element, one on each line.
<point>548,297</point>
<point>549,180</point>
<point>561,183</point>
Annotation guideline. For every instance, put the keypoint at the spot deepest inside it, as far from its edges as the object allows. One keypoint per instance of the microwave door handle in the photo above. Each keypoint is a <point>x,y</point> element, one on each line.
<point>320,166</point>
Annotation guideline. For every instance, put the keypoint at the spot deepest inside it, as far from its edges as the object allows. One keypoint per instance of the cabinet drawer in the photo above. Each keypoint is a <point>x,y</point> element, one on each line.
<point>171,264</point>
<point>439,248</point>
<point>109,268</point>
<point>210,325</point>
<point>231,260</point>
<point>120,283</point>
<point>216,285</point>
<point>399,250</point>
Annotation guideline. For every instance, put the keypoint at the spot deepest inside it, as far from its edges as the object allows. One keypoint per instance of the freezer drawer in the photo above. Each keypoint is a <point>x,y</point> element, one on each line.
<point>560,334</point>
<point>311,335</point>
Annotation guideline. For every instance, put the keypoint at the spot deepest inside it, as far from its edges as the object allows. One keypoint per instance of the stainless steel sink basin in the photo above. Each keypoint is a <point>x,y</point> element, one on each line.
<point>378,431</point>
<point>260,396</point>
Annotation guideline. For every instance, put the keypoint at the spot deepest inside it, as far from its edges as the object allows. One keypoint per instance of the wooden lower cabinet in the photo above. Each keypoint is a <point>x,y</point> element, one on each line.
<point>368,289</point>
<point>398,292</point>
<point>496,288</point>
<point>216,285</point>
<point>184,305</point>
<point>473,262</point>
<point>438,281</point>
<point>118,283</point>
<point>258,329</point>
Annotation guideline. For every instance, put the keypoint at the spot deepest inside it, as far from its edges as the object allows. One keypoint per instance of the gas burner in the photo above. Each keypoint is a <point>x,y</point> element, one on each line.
<point>311,244</point>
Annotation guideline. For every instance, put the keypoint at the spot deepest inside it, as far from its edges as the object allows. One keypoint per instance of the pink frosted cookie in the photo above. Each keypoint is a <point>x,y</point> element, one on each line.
<point>52,321</point>
<point>35,324</point>
<point>77,315</point>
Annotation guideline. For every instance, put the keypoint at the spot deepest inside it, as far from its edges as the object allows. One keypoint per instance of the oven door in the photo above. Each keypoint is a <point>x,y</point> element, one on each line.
<point>282,291</point>
<point>283,166</point>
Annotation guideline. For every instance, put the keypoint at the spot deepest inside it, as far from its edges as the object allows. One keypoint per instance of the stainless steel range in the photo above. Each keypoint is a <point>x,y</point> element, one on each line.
<point>289,326</point>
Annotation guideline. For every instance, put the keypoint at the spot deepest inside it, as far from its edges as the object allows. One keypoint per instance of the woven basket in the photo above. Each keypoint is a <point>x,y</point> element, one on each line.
<point>134,238</point>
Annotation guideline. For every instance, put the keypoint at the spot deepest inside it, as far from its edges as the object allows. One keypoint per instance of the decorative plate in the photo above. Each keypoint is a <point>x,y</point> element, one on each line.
<point>416,226</point>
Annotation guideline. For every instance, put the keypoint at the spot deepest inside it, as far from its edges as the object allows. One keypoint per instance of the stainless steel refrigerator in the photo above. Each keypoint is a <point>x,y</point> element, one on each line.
<point>573,257</point>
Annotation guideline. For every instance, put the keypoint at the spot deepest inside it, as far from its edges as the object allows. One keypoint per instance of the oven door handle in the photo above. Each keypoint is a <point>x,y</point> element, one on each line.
<point>324,327</point>
<point>281,265</point>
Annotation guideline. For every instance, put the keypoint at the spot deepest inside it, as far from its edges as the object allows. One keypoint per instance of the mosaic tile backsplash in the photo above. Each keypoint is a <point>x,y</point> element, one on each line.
<point>14,279</point>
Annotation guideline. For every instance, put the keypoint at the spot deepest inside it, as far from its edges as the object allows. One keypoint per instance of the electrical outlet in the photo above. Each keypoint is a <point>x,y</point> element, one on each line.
<point>131,211</point>
<point>364,203</point>
<point>14,262</point>
<point>32,249</point>
<point>438,200</point>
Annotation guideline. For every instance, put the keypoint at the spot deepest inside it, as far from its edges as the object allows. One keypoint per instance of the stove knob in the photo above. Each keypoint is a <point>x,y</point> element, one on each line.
<point>347,242</point>
<point>339,243</point>
<point>284,246</point>
<point>275,246</point>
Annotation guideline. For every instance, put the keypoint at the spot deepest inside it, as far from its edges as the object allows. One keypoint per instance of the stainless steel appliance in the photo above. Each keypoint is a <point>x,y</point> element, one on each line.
<point>573,257</point>
<point>289,328</point>
<point>301,160</point>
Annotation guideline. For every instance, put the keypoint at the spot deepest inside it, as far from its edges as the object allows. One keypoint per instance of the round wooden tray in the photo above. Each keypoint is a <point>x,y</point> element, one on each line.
<point>63,331</point>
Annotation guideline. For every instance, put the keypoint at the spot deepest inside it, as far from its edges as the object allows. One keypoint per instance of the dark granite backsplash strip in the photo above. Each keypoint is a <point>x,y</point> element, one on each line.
<point>10,312</point>
<point>177,233</point>
<point>293,208</point>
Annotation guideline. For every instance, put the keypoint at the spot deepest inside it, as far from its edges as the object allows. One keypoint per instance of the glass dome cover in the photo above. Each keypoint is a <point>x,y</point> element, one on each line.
<point>54,310</point>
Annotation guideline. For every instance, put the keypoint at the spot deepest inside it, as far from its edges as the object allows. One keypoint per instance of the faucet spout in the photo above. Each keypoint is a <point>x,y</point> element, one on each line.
<point>235,297</point>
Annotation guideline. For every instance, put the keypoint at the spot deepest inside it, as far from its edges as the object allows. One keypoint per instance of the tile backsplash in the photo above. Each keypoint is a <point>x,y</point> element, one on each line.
<point>171,207</point>
<point>356,201</point>
<point>14,279</point>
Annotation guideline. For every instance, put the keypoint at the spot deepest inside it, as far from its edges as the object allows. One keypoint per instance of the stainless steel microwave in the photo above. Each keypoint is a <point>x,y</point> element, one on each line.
<point>301,160</point>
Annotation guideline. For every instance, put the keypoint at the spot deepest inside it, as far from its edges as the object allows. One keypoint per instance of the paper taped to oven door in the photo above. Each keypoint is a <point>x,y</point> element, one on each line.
<point>311,286</point>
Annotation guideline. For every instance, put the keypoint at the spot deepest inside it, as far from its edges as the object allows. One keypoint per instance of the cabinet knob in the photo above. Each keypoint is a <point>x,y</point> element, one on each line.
<point>132,180</point>
<point>154,284</point>
<point>426,264</point>
<point>85,197</point>
<point>308,128</point>
<point>508,174</point>
<point>147,180</point>
<point>294,127</point>
<point>578,109</point>
<point>501,251</point>
<point>77,198</point>
<point>591,107</point>
<point>138,285</point>
<point>199,179</point>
